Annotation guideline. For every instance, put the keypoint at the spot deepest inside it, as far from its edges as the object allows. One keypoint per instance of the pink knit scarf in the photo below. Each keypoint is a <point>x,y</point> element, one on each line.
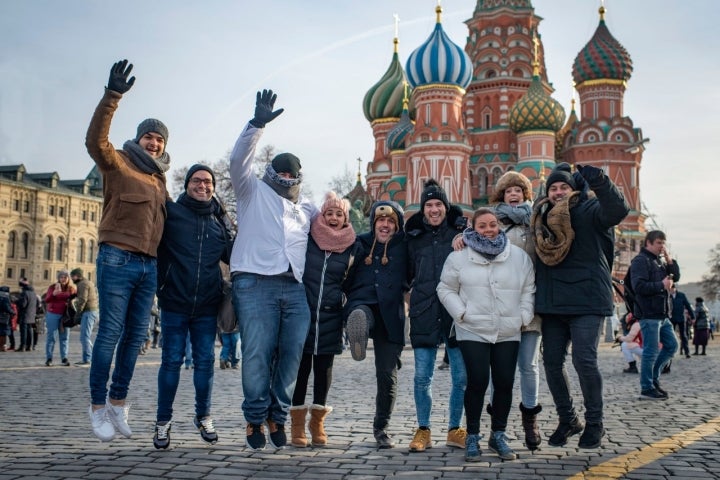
<point>329,239</point>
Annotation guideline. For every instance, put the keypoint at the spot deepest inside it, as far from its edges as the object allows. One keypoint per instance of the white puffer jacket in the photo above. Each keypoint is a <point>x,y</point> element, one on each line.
<point>489,299</point>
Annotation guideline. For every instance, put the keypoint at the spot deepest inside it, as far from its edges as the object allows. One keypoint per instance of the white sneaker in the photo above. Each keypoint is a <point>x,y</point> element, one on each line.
<point>119,417</point>
<point>101,424</point>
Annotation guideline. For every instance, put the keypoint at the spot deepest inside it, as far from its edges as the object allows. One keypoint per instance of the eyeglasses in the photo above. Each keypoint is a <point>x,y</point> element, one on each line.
<point>205,181</point>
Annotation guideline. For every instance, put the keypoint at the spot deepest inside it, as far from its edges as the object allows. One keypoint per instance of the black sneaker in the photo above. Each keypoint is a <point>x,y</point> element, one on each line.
<point>65,362</point>
<point>564,431</point>
<point>592,436</point>
<point>255,437</point>
<point>662,392</point>
<point>383,439</point>
<point>652,394</point>
<point>48,362</point>
<point>161,439</point>
<point>278,439</point>
<point>207,429</point>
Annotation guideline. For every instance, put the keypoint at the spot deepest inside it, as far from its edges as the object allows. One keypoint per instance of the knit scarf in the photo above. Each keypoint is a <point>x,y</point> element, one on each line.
<point>197,206</point>
<point>288,188</point>
<point>552,228</point>
<point>488,248</point>
<point>330,239</point>
<point>145,162</point>
<point>519,215</point>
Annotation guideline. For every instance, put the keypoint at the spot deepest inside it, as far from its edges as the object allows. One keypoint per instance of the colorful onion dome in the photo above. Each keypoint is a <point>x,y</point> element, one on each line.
<point>536,110</point>
<point>602,58</point>
<point>385,98</point>
<point>396,138</point>
<point>439,60</point>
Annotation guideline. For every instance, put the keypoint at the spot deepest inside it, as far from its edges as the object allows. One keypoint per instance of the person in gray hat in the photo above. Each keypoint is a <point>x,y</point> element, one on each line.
<point>133,217</point>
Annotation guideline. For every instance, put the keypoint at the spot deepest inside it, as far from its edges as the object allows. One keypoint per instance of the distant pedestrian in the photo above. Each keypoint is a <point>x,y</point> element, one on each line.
<point>87,308</point>
<point>681,309</point>
<point>56,300</point>
<point>6,314</point>
<point>27,306</point>
<point>702,326</point>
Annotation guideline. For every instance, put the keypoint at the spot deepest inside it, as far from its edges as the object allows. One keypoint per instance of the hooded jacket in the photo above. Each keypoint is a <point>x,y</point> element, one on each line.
<point>428,248</point>
<point>378,284</point>
<point>647,273</point>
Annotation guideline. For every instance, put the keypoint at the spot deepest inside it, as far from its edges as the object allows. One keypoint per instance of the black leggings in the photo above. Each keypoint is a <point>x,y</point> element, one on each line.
<point>482,359</point>
<point>322,365</point>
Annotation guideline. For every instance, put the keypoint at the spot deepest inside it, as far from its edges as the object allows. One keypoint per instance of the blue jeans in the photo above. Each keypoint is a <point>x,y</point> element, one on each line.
<point>52,323</point>
<point>655,331</point>
<point>126,287</point>
<point>274,319</point>
<point>528,368</point>
<point>228,352</point>
<point>86,327</point>
<point>424,369</point>
<point>177,328</point>
<point>583,331</point>
<point>188,349</point>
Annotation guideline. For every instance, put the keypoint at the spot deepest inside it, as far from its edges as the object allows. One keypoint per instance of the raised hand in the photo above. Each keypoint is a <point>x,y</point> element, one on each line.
<point>594,176</point>
<point>118,81</point>
<point>264,105</point>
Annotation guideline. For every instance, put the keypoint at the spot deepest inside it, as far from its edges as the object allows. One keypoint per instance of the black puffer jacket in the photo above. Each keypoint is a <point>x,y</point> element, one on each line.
<point>428,249</point>
<point>194,242</point>
<point>324,275</point>
<point>581,284</point>
<point>646,275</point>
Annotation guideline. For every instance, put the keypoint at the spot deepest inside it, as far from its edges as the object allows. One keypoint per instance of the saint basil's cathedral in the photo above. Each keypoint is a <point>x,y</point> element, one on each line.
<point>466,116</point>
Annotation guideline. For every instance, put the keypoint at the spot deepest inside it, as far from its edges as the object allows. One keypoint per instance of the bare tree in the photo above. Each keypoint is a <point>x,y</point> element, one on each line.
<point>710,282</point>
<point>343,183</point>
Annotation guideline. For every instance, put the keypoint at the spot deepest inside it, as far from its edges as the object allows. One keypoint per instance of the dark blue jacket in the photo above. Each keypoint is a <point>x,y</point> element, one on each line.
<point>378,284</point>
<point>679,305</point>
<point>428,248</point>
<point>581,284</point>
<point>194,242</point>
<point>646,274</point>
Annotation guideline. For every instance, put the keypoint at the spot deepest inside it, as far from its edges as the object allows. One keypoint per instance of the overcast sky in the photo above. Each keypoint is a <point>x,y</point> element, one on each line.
<point>199,64</point>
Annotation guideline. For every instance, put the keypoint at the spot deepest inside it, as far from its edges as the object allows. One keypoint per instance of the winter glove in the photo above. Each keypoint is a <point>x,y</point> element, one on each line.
<point>594,176</point>
<point>264,109</point>
<point>118,81</point>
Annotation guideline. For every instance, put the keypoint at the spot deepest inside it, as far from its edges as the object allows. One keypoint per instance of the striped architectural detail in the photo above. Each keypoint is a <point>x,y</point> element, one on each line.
<point>385,98</point>
<point>439,60</point>
<point>602,58</point>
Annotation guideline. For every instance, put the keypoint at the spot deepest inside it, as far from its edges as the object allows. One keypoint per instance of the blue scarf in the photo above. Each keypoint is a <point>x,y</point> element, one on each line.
<point>483,245</point>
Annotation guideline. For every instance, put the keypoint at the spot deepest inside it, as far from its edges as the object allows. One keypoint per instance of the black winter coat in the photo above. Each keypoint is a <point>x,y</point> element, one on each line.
<point>646,275</point>
<point>324,275</point>
<point>428,248</point>
<point>192,246</point>
<point>27,305</point>
<point>581,284</point>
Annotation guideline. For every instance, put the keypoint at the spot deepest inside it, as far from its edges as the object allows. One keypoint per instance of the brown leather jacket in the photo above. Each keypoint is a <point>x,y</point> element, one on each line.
<point>134,202</point>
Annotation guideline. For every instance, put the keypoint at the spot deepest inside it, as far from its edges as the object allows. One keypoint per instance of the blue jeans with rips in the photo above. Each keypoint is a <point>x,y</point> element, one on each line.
<point>53,325</point>
<point>274,320</point>
<point>87,323</point>
<point>424,370</point>
<point>655,331</point>
<point>126,284</point>
<point>228,352</point>
<point>176,328</point>
<point>583,332</point>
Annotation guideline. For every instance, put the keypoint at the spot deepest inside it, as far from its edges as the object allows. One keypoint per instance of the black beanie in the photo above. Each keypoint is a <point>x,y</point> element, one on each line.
<point>287,163</point>
<point>561,173</point>
<point>433,191</point>
<point>198,166</point>
<point>151,125</point>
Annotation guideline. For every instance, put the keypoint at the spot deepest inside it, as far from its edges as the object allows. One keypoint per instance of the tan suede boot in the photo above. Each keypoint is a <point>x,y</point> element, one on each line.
<point>297,426</point>
<point>316,424</point>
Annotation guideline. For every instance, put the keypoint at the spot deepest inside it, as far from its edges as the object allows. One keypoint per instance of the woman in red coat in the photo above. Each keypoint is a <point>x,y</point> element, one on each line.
<point>55,300</point>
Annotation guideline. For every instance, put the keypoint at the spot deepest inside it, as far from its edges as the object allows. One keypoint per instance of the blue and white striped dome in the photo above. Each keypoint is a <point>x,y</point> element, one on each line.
<point>439,60</point>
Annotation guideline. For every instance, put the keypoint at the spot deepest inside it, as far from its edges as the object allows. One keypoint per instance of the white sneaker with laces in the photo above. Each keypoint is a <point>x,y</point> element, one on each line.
<point>102,427</point>
<point>119,417</point>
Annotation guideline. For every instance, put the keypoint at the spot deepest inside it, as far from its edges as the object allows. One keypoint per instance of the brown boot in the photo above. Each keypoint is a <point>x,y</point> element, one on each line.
<point>529,422</point>
<point>297,426</point>
<point>316,424</point>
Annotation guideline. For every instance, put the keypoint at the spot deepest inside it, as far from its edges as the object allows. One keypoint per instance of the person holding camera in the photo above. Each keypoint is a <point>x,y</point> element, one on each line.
<point>56,300</point>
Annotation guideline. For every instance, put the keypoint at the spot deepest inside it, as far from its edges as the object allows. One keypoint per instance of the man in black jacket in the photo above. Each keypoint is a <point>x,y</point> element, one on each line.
<point>680,305</point>
<point>653,273</point>
<point>27,304</point>
<point>430,233</point>
<point>574,241</point>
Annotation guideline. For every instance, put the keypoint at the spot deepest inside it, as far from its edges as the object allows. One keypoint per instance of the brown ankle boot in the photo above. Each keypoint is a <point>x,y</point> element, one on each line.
<point>529,422</point>
<point>297,426</point>
<point>316,424</point>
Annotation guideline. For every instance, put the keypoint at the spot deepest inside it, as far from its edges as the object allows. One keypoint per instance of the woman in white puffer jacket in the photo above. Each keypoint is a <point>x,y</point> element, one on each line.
<point>489,290</point>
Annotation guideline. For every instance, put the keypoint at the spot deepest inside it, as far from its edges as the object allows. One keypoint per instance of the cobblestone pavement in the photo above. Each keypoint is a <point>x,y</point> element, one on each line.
<point>45,431</point>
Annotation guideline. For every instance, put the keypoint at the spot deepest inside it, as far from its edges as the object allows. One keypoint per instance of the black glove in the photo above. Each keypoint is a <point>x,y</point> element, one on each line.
<point>594,176</point>
<point>264,109</point>
<point>118,81</point>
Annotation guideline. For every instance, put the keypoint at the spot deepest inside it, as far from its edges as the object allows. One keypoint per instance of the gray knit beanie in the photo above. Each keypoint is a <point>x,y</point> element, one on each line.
<point>151,125</point>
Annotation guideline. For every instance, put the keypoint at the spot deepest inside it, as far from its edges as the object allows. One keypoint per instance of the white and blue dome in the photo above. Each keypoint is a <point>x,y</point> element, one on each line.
<point>439,60</point>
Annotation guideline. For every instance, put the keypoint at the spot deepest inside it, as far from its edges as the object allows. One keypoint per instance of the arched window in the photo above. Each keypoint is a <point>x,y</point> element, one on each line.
<point>12,238</point>
<point>25,247</point>
<point>59,248</point>
<point>47,248</point>
<point>91,251</point>
<point>81,251</point>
